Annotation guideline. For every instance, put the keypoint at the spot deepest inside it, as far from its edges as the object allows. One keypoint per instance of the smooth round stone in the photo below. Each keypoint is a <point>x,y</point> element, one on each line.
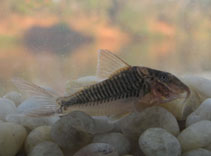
<point>73,130</point>
<point>46,149</point>
<point>97,149</point>
<point>201,113</point>
<point>12,137</point>
<point>136,123</point>
<point>195,136</point>
<point>199,83</point>
<point>135,149</point>
<point>31,122</point>
<point>117,140</point>
<point>159,142</point>
<point>198,152</point>
<point>36,136</point>
<point>15,97</point>
<point>208,147</point>
<point>102,126</point>
<point>6,107</point>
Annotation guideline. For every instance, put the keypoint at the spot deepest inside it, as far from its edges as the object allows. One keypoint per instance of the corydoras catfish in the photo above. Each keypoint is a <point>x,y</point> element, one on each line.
<point>122,89</point>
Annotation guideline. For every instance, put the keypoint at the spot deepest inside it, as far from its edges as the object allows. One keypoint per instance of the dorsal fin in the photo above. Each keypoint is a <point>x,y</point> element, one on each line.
<point>108,63</point>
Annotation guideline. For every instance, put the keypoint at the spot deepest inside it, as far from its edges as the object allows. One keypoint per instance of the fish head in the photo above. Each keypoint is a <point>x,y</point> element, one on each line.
<point>166,86</point>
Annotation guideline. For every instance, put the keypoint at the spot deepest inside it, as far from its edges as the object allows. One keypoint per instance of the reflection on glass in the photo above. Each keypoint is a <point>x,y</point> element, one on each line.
<point>53,41</point>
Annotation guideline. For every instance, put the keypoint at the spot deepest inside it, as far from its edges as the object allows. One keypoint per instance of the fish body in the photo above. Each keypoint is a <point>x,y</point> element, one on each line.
<point>133,88</point>
<point>109,95</point>
<point>122,89</point>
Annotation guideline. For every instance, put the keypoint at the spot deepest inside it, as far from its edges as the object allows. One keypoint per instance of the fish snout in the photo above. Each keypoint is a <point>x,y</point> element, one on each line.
<point>187,92</point>
<point>180,89</point>
<point>184,93</point>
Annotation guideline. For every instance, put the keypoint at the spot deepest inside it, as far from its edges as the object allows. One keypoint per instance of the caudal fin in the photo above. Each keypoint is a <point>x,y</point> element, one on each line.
<point>42,101</point>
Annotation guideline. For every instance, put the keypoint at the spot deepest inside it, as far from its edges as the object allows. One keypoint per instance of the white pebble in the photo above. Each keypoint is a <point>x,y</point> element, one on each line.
<point>6,107</point>
<point>46,148</point>
<point>15,97</point>
<point>36,136</point>
<point>117,140</point>
<point>97,149</point>
<point>201,113</point>
<point>159,142</point>
<point>136,123</point>
<point>12,137</point>
<point>196,136</point>
<point>73,131</point>
<point>31,122</point>
<point>198,83</point>
<point>208,147</point>
<point>197,152</point>
<point>103,126</point>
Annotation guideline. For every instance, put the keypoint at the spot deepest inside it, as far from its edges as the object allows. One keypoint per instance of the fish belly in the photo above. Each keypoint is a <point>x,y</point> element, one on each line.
<point>118,107</point>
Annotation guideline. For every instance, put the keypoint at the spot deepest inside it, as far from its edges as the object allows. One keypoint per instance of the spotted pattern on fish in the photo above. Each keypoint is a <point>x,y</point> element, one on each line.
<point>127,83</point>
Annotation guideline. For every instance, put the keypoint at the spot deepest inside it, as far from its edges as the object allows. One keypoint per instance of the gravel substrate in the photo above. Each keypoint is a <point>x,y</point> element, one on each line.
<point>173,129</point>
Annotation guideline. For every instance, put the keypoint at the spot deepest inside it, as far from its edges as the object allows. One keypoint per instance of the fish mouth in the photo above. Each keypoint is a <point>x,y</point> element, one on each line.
<point>172,98</point>
<point>188,93</point>
<point>185,95</point>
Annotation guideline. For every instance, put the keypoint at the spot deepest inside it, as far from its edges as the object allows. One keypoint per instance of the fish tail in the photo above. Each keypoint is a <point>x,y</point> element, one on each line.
<point>41,102</point>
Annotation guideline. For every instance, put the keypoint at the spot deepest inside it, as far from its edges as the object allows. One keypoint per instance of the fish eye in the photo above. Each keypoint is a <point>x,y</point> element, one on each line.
<point>164,78</point>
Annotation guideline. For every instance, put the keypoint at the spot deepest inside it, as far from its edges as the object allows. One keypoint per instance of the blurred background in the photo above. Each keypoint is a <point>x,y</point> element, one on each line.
<point>53,41</point>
